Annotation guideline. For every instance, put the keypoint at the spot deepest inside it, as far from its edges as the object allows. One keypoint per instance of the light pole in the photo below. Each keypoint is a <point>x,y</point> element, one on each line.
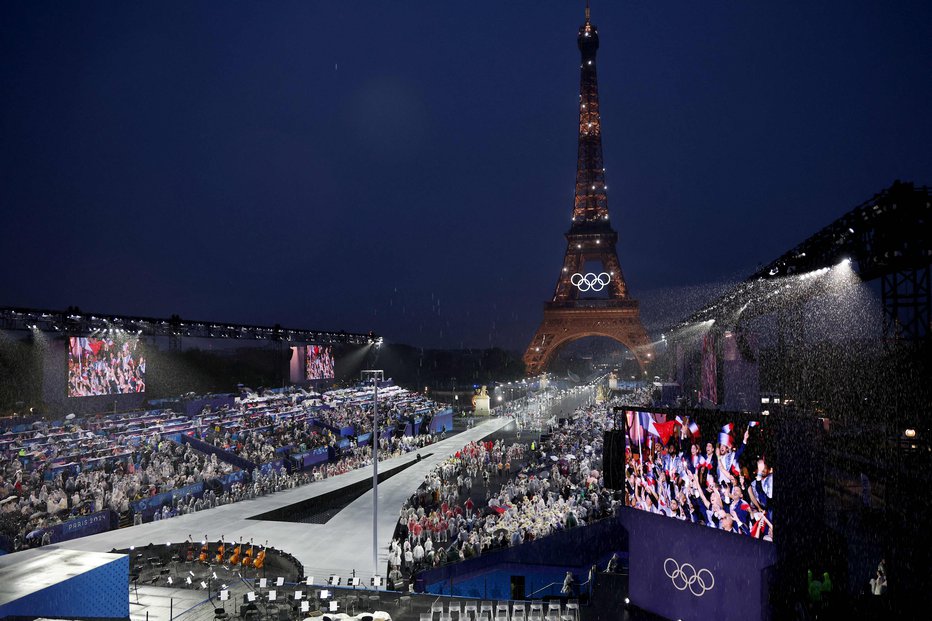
<point>376,375</point>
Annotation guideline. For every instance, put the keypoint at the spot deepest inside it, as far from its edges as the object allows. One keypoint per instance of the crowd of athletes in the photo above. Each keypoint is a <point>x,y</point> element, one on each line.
<point>530,491</point>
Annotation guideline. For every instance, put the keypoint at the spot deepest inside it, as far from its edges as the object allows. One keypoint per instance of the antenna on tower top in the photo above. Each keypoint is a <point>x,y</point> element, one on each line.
<point>587,11</point>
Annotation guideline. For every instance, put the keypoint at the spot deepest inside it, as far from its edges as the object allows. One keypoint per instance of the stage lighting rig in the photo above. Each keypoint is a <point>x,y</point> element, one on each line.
<point>74,322</point>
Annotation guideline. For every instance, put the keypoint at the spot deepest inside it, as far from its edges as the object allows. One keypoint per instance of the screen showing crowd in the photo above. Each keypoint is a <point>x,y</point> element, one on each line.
<point>105,367</point>
<point>319,362</point>
<point>717,477</point>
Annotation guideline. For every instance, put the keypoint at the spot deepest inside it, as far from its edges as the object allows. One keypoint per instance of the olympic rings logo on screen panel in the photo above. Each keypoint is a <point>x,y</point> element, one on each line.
<point>685,577</point>
<point>590,281</point>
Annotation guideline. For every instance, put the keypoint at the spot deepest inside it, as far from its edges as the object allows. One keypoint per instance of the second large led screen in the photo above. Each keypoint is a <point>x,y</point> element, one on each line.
<point>706,470</point>
<point>319,362</point>
<point>105,367</point>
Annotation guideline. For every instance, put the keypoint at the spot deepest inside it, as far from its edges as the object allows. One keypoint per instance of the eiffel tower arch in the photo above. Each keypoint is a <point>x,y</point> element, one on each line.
<point>589,303</point>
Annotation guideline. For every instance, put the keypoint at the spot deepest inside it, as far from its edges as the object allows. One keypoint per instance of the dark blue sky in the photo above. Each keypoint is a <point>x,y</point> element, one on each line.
<point>408,167</point>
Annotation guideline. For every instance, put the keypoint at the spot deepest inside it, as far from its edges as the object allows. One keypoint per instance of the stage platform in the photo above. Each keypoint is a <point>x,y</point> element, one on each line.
<point>56,582</point>
<point>340,545</point>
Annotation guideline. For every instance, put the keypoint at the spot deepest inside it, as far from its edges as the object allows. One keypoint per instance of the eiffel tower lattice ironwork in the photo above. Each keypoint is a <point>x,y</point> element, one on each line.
<point>573,313</point>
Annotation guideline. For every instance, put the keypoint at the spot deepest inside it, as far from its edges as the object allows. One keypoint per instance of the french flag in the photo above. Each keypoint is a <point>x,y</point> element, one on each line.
<point>664,430</point>
<point>639,429</point>
<point>759,528</point>
<point>693,428</point>
<point>753,423</point>
<point>728,428</point>
<point>651,427</point>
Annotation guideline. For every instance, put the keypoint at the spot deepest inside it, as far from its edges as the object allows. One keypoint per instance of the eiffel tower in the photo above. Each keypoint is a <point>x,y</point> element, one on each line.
<point>589,303</point>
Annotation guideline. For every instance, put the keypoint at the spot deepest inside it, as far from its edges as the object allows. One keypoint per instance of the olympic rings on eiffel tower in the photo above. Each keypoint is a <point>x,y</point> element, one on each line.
<point>590,281</point>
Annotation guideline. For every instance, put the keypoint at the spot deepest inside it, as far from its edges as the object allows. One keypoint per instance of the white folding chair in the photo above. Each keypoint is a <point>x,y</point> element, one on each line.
<point>436,607</point>
<point>470,607</point>
<point>536,610</point>
<point>572,608</point>
<point>485,607</point>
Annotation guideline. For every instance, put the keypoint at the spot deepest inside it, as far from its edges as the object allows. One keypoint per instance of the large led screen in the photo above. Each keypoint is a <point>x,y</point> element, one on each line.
<point>319,362</point>
<point>704,470</point>
<point>105,367</point>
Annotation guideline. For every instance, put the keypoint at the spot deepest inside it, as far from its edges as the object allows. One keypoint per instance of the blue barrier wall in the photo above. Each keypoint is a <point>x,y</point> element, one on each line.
<point>272,465</point>
<point>222,455</point>
<point>496,584</point>
<point>148,506</point>
<point>309,459</point>
<point>334,429</point>
<point>90,524</point>
<point>442,421</point>
<point>193,407</point>
<point>228,480</point>
<point>99,593</point>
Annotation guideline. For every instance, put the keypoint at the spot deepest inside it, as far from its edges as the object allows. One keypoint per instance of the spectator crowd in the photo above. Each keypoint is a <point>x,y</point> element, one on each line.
<point>52,472</point>
<point>530,492</point>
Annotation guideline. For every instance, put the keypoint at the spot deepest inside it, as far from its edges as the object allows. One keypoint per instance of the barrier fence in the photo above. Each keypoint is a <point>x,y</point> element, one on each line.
<point>82,526</point>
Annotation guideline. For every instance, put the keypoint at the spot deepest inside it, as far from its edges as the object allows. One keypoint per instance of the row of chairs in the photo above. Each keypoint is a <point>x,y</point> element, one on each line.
<point>536,610</point>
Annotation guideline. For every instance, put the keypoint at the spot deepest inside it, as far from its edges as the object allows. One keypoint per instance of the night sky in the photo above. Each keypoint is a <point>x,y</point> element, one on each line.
<point>408,167</point>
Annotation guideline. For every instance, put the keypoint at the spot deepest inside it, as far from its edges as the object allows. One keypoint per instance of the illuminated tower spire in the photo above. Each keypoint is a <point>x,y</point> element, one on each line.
<point>591,237</point>
<point>591,202</point>
<point>591,296</point>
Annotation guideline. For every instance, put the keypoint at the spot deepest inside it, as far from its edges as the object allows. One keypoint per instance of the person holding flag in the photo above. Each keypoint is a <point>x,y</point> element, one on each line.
<point>728,456</point>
